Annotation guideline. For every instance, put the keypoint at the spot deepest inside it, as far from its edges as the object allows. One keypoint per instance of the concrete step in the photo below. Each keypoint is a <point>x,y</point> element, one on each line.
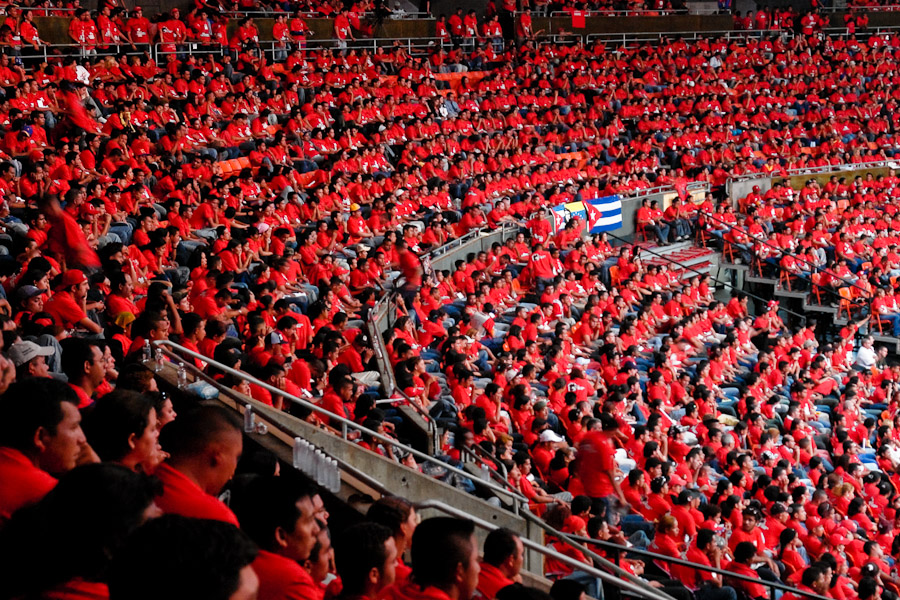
<point>765,280</point>
<point>785,293</point>
<point>824,308</point>
<point>687,262</point>
<point>734,267</point>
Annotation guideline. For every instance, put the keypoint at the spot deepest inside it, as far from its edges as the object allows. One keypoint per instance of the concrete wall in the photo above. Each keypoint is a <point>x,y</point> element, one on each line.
<point>798,181</point>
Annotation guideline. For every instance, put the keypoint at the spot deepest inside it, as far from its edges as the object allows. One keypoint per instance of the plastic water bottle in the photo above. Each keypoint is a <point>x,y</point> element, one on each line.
<point>182,376</point>
<point>158,366</point>
<point>335,484</point>
<point>146,353</point>
<point>321,468</point>
<point>249,419</point>
<point>306,456</point>
<point>297,449</point>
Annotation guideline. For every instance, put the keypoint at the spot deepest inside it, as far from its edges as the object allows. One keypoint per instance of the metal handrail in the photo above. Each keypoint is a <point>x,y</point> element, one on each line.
<point>388,381</point>
<point>344,422</point>
<point>314,14</point>
<point>692,186</point>
<point>569,540</point>
<point>783,253</point>
<point>859,9</point>
<point>492,472</point>
<point>874,164</point>
<point>640,12</point>
<point>641,589</point>
<point>686,563</point>
<point>727,284</point>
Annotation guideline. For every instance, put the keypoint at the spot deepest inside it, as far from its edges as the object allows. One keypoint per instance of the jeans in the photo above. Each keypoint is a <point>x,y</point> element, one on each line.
<point>893,319</point>
<point>124,230</point>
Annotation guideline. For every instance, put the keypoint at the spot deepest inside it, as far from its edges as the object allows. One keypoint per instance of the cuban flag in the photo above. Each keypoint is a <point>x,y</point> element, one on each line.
<point>560,217</point>
<point>603,214</point>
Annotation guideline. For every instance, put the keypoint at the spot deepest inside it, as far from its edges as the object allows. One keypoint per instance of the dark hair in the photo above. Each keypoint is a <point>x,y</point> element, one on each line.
<point>390,511</point>
<point>190,323</point>
<point>743,552</point>
<point>439,546</point>
<point>31,404</point>
<point>135,377</point>
<point>201,559</point>
<point>112,419</point>
<point>268,503</point>
<point>499,545</point>
<point>75,529</point>
<point>358,550</point>
<point>75,352</point>
<point>810,575</point>
<point>704,537</point>
<point>193,431</point>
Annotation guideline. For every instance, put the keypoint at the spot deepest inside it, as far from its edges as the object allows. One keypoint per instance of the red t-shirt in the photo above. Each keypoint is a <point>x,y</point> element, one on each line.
<point>491,581</point>
<point>181,496</point>
<point>596,456</point>
<point>64,309</point>
<point>23,483</point>
<point>281,578</point>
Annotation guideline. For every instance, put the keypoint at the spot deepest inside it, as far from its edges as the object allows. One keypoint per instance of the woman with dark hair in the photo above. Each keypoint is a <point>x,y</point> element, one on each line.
<point>122,428</point>
<point>61,547</point>
<point>399,515</point>
<point>788,542</point>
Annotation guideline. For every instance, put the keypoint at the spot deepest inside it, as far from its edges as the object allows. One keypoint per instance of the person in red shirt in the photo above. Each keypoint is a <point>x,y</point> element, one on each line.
<point>201,555</point>
<point>400,517</point>
<point>203,446</point>
<point>83,364</point>
<point>338,401</point>
<point>504,555</point>
<point>278,514</point>
<point>410,265</point>
<point>744,554</point>
<point>597,467</point>
<point>40,436</point>
<point>445,562</point>
<point>67,305</point>
<point>365,555</point>
<point>707,550</point>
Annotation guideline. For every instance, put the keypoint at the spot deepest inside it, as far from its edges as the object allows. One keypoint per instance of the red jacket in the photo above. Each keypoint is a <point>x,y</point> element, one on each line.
<point>490,581</point>
<point>281,578</point>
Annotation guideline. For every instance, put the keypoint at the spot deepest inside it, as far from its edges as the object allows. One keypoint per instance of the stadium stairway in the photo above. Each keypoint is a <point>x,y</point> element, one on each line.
<point>684,258</point>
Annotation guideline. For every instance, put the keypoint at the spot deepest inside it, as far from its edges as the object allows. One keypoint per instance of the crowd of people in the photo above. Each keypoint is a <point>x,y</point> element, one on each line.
<point>254,207</point>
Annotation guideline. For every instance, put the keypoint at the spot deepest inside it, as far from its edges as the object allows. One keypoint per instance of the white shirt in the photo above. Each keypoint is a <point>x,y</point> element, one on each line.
<point>866,357</point>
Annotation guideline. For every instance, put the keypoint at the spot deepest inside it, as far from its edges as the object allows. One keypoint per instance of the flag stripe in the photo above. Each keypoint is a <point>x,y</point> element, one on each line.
<point>605,206</point>
<point>611,212</point>
<point>613,220</point>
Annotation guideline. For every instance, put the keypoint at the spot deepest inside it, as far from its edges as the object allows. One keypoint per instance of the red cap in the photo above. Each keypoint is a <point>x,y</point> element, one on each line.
<point>836,539</point>
<point>676,480</point>
<point>574,524</point>
<point>813,522</point>
<point>71,277</point>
